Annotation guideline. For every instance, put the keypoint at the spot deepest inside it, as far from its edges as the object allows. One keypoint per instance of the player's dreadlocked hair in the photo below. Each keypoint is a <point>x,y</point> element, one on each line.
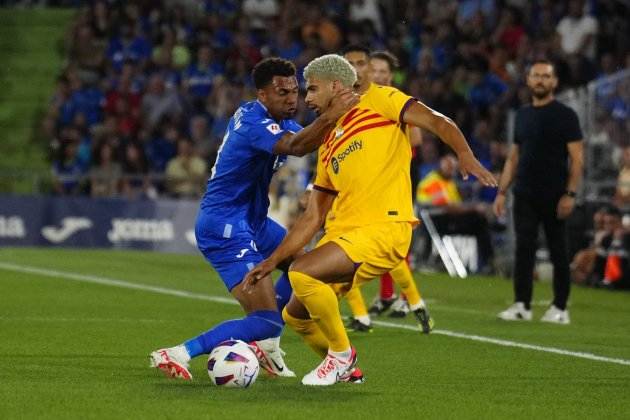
<point>331,67</point>
<point>264,71</point>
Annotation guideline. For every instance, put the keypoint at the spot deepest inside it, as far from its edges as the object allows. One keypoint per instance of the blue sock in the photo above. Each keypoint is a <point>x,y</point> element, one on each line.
<point>255,326</point>
<point>283,291</point>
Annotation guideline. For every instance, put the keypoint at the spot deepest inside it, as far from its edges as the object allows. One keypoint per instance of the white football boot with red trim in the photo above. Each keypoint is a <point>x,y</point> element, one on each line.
<point>172,362</point>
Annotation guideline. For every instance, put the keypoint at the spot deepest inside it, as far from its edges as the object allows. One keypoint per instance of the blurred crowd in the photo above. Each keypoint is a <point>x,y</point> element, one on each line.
<point>148,87</point>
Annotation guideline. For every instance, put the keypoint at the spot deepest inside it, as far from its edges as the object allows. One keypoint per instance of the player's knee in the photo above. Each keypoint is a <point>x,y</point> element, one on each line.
<point>302,284</point>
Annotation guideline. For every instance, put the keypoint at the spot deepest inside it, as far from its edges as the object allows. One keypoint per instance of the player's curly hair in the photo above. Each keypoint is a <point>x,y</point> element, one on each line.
<point>264,70</point>
<point>331,67</point>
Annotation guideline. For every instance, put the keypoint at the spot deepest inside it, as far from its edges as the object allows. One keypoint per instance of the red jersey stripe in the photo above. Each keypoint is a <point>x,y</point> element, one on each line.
<point>356,131</point>
<point>347,129</point>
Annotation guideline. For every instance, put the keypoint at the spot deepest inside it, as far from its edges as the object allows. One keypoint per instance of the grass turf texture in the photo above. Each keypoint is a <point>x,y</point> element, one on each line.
<point>30,60</point>
<point>79,350</point>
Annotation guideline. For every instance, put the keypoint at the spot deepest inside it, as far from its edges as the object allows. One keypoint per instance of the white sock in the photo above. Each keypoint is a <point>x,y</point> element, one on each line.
<point>269,344</point>
<point>343,355</point>
<point>418,305</point>
<point>181,353</point>
<point>363,319</point>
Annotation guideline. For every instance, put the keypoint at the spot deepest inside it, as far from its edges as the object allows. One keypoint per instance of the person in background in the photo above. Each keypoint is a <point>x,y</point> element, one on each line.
<point>547,136</point>
<point>186,172</point>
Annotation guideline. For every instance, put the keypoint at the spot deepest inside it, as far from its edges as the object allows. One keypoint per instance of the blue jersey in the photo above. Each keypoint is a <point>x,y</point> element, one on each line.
<point>238,188</point>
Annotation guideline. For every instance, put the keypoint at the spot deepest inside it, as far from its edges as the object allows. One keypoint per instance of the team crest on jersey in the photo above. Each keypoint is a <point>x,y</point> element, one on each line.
<point>274,128</point>
<point>339,132</point>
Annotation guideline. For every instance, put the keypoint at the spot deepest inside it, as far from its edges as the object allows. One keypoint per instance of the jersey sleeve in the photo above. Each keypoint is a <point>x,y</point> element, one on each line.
<point>265,134</point>
<point>293,126</point>
<point>391,103</point>
<point>322,180</point>
<point>571,130</point>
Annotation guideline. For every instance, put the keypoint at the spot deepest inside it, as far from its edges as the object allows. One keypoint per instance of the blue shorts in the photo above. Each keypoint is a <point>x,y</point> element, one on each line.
<point>233,249</point>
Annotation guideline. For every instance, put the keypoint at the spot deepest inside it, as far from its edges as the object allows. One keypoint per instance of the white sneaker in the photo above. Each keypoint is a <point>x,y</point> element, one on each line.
<point>269,356</point>
<point>556,316</point>
<point>400,308</point>
<point>516,312</point>
<point>331,370</point>
<point>173,362</point>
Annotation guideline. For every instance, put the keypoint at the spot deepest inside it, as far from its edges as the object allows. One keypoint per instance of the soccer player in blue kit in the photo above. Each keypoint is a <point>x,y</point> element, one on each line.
<point>232,229</point>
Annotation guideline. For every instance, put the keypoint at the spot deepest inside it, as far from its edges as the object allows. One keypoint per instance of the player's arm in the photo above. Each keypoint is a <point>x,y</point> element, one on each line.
<point>507,176</point>
<point>303,230</point>
<point>420,115</point>
<point>312,136</point>
<point>576,166</point>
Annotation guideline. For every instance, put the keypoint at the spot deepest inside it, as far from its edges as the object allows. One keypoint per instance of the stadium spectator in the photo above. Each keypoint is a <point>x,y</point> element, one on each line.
<point>106,174</point>
<point>198,78</point>
<point>67,171</point>
<point>260,13</point>
<point>205,145</point>
<point>136,183</point>
<point>438,189</point>
<point>321,28</point>
<point>186,172</point>
<point>604,263</point>
<point>159,102</point>
<point>464,58</point>
<point>578,32</point>
<point>606,220</point>
<point>622,192</point>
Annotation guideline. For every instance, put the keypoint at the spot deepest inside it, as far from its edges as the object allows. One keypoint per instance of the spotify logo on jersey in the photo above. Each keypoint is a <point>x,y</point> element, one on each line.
<point>335,165</point>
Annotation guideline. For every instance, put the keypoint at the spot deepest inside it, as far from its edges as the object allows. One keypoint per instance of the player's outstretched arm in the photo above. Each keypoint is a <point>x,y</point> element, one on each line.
<point>313,135</point>
<point>303,230</point>
<point>422,116</point>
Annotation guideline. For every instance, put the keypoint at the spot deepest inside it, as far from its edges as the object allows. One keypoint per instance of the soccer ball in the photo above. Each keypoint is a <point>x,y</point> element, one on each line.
<point>233,364</point>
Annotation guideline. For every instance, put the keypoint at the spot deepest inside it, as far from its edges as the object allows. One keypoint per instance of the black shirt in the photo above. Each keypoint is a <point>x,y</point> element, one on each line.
<point>542,134</point>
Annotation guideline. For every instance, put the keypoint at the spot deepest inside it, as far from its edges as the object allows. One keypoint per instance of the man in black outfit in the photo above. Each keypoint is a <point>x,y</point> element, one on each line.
<point>547,137</point>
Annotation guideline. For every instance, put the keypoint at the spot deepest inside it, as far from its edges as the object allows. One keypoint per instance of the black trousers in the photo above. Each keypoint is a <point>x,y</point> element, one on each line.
<point>529,213</point>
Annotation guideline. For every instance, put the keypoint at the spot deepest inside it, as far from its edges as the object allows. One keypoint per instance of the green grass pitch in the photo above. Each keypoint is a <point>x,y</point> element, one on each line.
<point>74,348</point>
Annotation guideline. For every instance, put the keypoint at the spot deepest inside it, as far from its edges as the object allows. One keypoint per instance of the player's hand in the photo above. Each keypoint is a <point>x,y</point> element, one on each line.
<point>342,102</point>
<point>469,165</point>
<point>499,205</point>
<point>565,206</point>
<point>258,273</point>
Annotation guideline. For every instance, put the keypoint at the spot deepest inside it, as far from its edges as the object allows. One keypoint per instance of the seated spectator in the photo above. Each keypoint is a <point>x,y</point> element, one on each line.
<point>186,172</point>
<point>577,31</point>
<point>130,44</point>
<point>205,145</point>
<point>438,189</point>
<point>198,78</point>
<point>170,50</point>
<point>106,175</point>
<point>162,147</point>
<point>622,193</point>
<point>159,102</point>
<point>604,263</point>
<point>67,171</point>
<point>136,183</point>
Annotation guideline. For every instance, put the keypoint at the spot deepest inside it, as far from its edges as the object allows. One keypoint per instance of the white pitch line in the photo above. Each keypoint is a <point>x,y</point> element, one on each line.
<point>508,343</point>
<point>86,278</point>
<point>182,293</point>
